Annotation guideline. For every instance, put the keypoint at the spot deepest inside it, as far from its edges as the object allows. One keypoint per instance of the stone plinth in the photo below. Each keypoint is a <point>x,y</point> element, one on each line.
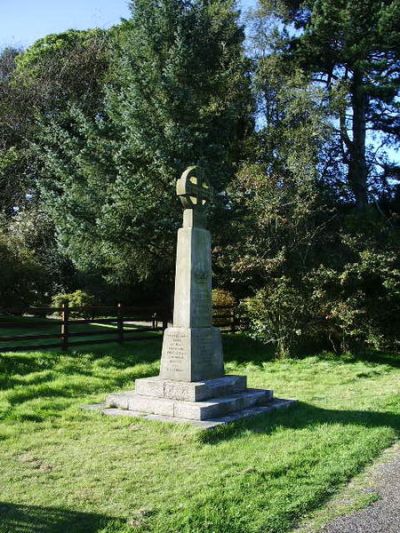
<point>190,392</point>
<point>191,354</point>
<point>203,400</point>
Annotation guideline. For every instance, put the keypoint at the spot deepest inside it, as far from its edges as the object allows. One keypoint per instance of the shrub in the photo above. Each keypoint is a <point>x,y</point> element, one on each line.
<point>278,314</point>
<point>359,304</point>
<point>354,306</point>
<point>222,297</point>
<point>77,298</point>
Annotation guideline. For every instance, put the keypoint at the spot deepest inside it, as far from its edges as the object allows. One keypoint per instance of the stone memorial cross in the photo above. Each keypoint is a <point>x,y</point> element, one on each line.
<point>192,386</point>
<point>192,349</point>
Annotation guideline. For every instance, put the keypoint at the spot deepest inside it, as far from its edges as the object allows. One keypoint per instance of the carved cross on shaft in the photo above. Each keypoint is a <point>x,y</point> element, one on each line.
<point>194,189</point>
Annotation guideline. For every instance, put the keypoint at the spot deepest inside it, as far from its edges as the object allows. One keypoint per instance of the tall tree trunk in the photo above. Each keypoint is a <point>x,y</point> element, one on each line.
<point>358,172</point>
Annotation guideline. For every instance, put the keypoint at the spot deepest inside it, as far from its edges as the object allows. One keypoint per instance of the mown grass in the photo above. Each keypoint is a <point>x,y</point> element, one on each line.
<point>66,469</point>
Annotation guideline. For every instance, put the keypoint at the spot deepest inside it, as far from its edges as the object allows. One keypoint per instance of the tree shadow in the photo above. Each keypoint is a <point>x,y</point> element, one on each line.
<point>127,354</point>
<point>300,416</point>
<point>71,390</point>
<point>240,348</point>
<point>21,387</point>
<point>26,364</point>
<point>122,356</point>
<point>33,519</point>
<point>373,358</point>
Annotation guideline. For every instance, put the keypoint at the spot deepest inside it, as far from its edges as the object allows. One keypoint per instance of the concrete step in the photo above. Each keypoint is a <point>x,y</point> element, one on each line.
<point>202,410</point>
<point>190,391</point>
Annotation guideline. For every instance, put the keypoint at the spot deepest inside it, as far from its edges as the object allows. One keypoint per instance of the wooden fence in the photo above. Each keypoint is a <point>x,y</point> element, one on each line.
<point>128,324</point>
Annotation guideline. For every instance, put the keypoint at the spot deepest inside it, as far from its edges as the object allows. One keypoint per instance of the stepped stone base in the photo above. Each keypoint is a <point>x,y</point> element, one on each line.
<point>205,403</point>
<point>194,391</point>
<point>276,403</point>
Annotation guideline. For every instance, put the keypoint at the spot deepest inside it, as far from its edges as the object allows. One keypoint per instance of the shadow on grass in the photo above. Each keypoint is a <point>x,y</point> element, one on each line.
<point>26,364</point>
<point>122,356</point>
<point>241,348</point>
<point>71,390</point>
<point>28,518</point>
<point>373,358</point>
<point>59,378</point>
<point>300,416</point>
<point>135,352</point>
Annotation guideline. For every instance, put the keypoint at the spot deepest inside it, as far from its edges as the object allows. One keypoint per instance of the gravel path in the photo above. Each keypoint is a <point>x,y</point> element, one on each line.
<point>383,516</point>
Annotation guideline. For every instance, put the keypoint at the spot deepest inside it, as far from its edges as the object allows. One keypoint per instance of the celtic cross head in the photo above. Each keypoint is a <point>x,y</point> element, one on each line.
<point>194,189</point>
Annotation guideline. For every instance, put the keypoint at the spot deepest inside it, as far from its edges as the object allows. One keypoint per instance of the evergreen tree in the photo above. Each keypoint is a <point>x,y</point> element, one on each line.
<point>38,86</point>
<point>352,49</point>
<point>14,181</point>
<point>179,96</point>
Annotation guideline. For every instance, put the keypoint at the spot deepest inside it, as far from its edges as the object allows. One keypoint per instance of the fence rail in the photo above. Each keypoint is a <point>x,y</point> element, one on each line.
<point>65,336</point>
<point>148,320</point>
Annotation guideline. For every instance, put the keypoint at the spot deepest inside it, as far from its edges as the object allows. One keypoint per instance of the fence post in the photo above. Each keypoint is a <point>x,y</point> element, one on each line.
<point>120,323</point>
<point>164,320</point>
<point>233,323</point>
<point>64,326</point>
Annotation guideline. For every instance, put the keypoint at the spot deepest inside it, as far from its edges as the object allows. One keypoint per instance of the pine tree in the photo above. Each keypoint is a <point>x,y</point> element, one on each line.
<point>352,49</point>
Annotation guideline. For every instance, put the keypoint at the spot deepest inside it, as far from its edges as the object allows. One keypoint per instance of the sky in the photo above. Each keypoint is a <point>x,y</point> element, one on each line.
<point>22,22</point>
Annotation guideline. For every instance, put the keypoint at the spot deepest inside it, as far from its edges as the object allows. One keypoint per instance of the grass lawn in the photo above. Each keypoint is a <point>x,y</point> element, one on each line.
<point>65,469</point>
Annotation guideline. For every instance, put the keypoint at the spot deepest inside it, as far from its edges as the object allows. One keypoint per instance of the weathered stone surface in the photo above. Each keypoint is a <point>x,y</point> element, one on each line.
<point>192,391</point>
<point>274,405</point>
<point>119,399</point>
<point>193,410</point>
<point>192,303</point>
<point>192,348</point>
<point>147,404</point>
<point>218,407</point>
<point>191,354</point>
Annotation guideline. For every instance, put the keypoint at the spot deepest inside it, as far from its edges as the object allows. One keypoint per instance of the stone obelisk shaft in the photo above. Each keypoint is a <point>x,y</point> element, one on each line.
<point>192,302</point>
<point>192,349</point>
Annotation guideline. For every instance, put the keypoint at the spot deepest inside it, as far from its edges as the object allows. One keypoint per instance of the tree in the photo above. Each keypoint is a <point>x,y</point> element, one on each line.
<point>179,96</point>
<point>313,271</point>
<point>279,213</point>
<point>33,230</point>
<point>22,282</point>
<point>351,48</point>
<point>64,68</point>
<point>7,62</point>
<point>14,108</point>
<point>38,86</point>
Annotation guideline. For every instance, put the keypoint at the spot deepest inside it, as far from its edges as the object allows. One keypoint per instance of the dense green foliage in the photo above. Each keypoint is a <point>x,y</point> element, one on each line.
<point>315,226</point>
<point>350,48</point>
<point>22,281</point>
<point>15,137</point>
<point>179,95</point>
<point>75,299</point>
<point>297,138</point>
<point>35,87</point>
